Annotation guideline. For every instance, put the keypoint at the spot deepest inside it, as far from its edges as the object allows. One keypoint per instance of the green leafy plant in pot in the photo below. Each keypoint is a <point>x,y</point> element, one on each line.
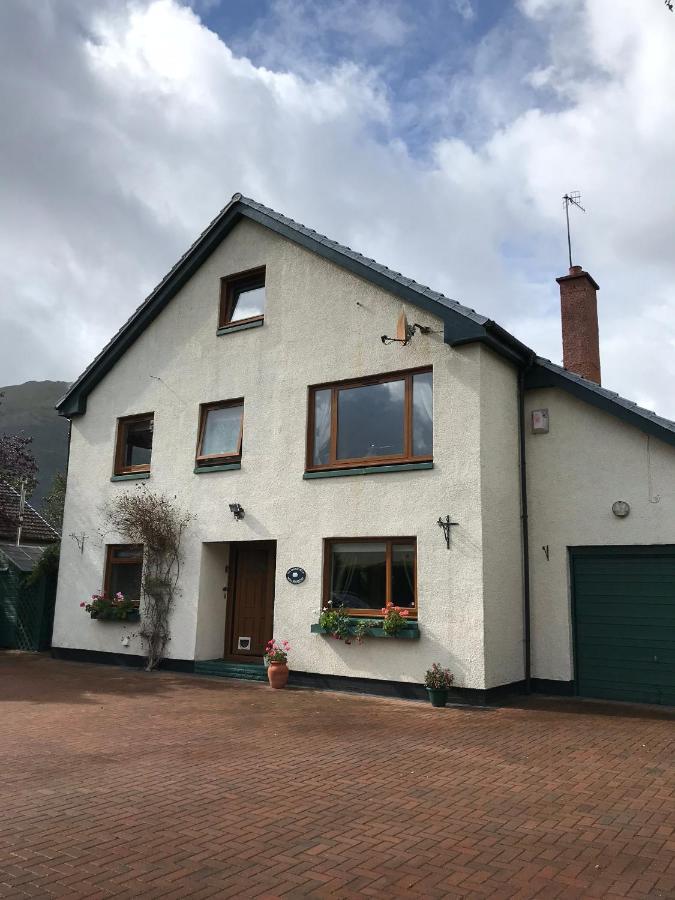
<point>437,682</point>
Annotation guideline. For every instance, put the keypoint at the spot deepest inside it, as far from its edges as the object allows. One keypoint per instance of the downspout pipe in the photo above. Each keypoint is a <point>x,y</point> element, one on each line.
<point>524,530</point>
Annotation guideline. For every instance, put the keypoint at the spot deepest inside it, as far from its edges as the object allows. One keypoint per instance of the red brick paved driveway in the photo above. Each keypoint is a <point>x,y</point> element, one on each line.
<point>117,783</point>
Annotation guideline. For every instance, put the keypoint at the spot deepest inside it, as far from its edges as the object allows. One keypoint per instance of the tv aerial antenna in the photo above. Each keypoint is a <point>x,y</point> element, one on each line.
<point>571,199</point>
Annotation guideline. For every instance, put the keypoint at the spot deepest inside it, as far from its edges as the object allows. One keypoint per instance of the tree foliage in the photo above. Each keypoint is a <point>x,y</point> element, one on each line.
<point>17,462</point>
<point>155,521</point>
<point>52,506</point>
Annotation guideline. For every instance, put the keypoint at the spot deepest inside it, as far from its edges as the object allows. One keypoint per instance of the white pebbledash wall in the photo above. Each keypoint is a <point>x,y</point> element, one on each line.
<point>321,324</point>
<point>588,460</point>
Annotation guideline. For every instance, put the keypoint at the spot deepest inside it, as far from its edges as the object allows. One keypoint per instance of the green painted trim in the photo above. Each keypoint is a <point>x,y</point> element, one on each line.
<point>132,616</point>
<point>409,632</point>
<point>369,470</point>
<point>131,476</point>
<point>201,470</point>
<point>226,329</point>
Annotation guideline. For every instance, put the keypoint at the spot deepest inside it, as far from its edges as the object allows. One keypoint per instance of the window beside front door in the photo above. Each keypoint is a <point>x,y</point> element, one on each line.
<point>366,575</point>
<point>123,571</point>
<point>134,444</point>
<point>372,421</point>
<point>220,432</point>
<point>242,298</point>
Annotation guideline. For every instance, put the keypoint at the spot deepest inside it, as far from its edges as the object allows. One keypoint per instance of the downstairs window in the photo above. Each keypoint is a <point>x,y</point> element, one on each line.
<point>365,575</point>
<point>123,571</point>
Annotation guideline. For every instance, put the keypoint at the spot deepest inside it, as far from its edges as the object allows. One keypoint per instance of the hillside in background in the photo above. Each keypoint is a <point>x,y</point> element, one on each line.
<point>29,409</point>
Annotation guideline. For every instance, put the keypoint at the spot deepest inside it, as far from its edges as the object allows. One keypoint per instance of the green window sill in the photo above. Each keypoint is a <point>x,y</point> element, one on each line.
<point>131,476</point>
<point>409,632</point>
<point>243,326</point>
<point>201,470</point>
<point>369,470</point>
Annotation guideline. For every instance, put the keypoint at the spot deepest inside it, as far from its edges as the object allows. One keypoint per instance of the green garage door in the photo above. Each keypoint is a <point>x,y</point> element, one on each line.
<point>624,610</point>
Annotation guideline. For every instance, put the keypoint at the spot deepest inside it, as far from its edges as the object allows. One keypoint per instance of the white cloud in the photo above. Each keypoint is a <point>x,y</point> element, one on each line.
<point>128,127</point>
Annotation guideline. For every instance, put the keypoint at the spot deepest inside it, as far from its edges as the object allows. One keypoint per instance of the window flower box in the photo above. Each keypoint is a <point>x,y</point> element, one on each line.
<point>116,615</point>
<point>409,632</point>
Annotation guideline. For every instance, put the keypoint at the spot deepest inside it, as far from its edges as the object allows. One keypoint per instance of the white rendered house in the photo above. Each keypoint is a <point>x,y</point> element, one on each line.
<point>255,378</point>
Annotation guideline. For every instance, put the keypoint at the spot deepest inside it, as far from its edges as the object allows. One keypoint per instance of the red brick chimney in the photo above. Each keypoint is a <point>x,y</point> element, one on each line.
<point>579,313</point>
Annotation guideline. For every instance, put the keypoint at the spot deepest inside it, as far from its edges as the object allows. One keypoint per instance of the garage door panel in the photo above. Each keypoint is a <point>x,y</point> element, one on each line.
<point>624,605</point>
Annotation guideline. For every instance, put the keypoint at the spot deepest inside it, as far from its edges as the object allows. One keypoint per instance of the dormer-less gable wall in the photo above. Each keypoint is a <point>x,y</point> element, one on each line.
<point>321,324</point>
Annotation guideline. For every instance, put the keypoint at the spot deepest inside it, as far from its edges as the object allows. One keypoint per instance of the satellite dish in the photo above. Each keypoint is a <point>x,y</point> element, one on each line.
<point>405,331</point>
<point>402,328</point>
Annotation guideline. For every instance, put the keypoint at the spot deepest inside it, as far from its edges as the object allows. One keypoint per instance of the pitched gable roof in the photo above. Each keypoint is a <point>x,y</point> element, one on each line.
<point>545,374</point>
<point>35,529</point>
<point>461,325</point>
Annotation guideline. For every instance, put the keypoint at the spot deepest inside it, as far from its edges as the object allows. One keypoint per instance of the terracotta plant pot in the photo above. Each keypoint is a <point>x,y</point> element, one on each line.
<point>277,672</point>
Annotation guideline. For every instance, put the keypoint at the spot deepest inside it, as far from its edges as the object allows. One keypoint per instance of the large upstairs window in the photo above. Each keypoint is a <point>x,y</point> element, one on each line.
<point>371,421</point>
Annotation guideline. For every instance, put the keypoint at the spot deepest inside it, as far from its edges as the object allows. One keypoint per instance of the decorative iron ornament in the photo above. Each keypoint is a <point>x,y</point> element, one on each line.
<point>446,525</point>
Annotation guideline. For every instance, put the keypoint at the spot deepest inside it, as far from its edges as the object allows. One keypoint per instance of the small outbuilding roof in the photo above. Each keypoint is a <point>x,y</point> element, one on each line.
<point>35,529</point>
<point>25,557</point>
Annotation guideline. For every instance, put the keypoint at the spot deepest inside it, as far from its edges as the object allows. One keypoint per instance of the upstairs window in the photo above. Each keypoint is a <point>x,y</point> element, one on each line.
<point>134,444</point>
<point>220,432</point>
<point>366,575</point>
<point>372,421</point>
<point>242,298</point>
<point>123,571</point>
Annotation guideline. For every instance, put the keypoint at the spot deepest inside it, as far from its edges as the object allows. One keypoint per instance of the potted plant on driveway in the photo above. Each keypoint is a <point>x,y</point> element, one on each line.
<point>437,681</point>
<point>276,659</point>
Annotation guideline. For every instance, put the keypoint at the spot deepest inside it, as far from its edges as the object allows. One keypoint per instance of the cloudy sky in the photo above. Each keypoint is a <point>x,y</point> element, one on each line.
<point>437,136</point>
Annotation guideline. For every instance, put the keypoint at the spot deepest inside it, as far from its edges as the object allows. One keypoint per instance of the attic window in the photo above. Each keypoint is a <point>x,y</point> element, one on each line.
<point>134,444</point>
<point>242,298</point>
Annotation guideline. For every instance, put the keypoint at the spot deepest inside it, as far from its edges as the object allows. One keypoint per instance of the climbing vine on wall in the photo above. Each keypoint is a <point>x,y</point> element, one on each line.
<point>156,521</point>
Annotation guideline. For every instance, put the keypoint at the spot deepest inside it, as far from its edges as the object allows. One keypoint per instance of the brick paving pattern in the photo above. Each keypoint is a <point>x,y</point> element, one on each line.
<point>117,783</point>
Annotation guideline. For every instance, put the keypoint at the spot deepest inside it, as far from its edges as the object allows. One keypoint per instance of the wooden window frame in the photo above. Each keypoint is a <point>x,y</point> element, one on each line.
<point>110,561</point>
<point>120,443</point>
<point>335,386</point>
<point>389,542</point>
<point>211,459</point>
<point>230,288</point>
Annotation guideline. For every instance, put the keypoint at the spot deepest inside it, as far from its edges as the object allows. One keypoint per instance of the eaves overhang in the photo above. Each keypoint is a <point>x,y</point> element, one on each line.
<point>545,374</point>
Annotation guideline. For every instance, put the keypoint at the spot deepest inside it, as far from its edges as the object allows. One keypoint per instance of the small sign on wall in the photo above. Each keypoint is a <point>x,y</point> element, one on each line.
<point>296,575</point>
<point>539,421</point>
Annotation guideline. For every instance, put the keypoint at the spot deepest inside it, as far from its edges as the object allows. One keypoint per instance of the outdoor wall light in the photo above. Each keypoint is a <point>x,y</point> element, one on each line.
<point>237,510</point>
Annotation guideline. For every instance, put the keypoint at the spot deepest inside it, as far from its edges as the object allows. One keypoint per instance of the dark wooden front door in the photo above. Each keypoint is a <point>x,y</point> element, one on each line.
<point>251,599</point>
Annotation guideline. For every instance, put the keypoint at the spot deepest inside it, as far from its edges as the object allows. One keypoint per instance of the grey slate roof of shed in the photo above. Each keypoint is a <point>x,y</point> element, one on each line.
<point>25,557</point>
<point>461,324</point>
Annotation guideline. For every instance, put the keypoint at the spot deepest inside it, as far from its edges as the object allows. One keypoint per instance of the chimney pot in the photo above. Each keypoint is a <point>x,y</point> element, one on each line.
<point>579,316</point>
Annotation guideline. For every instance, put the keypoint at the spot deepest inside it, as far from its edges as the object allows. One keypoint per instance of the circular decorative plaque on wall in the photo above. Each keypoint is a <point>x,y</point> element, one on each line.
<point>296,575</point>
